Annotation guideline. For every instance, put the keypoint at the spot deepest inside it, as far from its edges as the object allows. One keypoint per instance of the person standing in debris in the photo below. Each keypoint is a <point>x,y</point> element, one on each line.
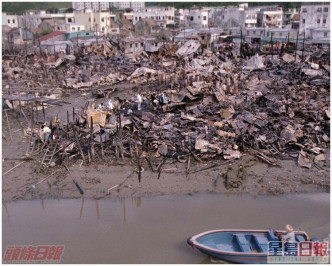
<point>110,105</point>
<point>162,100</point>
<point>100,106</point>
<point>46,132</point>
<point>154,102</point>
<point>139,102</point>
<point>282,49</point>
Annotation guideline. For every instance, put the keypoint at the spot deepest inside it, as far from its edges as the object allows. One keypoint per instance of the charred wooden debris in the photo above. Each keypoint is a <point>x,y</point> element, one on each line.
<point>219,106</point>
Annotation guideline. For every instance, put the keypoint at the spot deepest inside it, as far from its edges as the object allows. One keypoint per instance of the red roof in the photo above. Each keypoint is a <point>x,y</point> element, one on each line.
<point>50,35</point>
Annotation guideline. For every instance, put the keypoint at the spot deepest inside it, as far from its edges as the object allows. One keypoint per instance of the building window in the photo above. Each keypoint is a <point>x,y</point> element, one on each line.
<point>191,18</point>
<point>13,20</point>
<point>304,10</point>
<point>73,28</point>
<point>319,9</point>
<point>103,29</point>
<point>318,21</point>
<point>303,20</point>
<point>131,46</point>
<point>69,20</point>
<point>280,34</point>
<point>136,45</point>
<point>272,34</point>
<point>155,44</point>
<point>8,21</point>
<point>325,34</point>
<point>254,32</point>
<point>326,9</point>
<point>86,33</point>
<point>102,20</point>
<point>247,32</point>
<point>89,19</point>
<point>58,28</point>
<point>141,44</point>
<point>78,28</point>
<point>204,18</point>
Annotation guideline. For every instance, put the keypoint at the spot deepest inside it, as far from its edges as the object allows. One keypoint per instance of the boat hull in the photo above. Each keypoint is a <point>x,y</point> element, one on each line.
<point>232,256</point>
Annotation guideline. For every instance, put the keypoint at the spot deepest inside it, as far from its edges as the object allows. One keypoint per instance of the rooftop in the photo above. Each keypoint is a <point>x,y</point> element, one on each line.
<point>50,35</point>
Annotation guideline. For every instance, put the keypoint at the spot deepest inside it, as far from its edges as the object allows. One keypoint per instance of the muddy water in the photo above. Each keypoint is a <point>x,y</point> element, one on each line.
<point>152,229</point>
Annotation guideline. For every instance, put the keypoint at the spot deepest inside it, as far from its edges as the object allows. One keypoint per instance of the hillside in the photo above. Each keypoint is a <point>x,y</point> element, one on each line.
<point>19,7</point>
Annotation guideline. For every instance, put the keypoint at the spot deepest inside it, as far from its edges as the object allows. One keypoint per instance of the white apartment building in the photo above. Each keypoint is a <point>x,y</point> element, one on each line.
<point>198,18</point>
<point>135,6</point>
<point>95,6</point>
<point>99,22</point>
<point>31,19</point>
<point>272,17</point>
<point>314,17</point>
<point>163,15</point>
<point>181,16</point>
<point>12,21</point>
<point>228,17</point>
<point>251,17</point>
<point>103,6</point>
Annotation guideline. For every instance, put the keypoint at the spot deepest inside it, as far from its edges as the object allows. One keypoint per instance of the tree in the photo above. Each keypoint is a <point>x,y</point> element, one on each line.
<point>69,10</point>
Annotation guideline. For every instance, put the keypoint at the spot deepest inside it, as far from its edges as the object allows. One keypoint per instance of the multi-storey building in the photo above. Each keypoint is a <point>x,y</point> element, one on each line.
<point>99,22</point>
<point>103,6</point>
<point>32,18</point>
<point>198,18</point>
<point>271,16</point>
<point>315,17</point>
<point>10,20</point>
<point>163,15</point>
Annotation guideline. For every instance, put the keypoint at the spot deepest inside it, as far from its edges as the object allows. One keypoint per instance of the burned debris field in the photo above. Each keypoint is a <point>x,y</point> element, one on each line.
<point>229,121</point>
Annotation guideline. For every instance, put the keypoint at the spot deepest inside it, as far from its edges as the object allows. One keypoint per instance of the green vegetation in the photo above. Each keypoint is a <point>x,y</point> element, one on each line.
<point>19,7</point>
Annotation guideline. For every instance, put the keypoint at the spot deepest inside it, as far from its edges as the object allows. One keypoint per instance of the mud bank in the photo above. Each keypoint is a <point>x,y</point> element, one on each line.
<point>107,177</point>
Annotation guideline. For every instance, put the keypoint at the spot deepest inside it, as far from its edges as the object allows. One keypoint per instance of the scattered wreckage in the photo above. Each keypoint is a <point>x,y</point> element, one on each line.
<point>219,106</point>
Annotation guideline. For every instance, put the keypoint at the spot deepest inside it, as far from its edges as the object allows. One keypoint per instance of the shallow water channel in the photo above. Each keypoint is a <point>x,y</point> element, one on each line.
<point>153,229</point>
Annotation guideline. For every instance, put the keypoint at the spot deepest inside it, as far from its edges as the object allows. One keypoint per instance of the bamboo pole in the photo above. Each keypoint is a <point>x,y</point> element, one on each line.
<point>9,128</point>
<point>101,145</point>
<point>91,140</point>
<point>78,143</point>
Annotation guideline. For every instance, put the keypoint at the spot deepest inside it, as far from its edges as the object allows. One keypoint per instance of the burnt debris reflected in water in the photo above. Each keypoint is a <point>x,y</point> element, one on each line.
<point>125,230</point>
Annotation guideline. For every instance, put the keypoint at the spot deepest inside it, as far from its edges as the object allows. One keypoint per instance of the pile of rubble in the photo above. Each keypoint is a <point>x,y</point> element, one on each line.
<point>219,105</point>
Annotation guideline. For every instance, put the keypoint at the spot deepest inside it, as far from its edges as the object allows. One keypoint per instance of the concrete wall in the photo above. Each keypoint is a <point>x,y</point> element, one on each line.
<point>198,19</point>
<point>228,18</point>
<point>314,16</point>
<point>320,34</point>
<point>163,16</point>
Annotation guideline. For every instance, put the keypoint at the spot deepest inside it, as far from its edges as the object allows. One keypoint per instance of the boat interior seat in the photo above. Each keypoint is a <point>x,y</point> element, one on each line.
<point>300,238</point>
<point>242,242</point>
<point>271,236</point>
<point>261,242</point>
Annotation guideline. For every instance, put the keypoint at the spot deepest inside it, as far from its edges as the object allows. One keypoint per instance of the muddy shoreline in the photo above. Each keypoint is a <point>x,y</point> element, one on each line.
<point>107,177</point>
